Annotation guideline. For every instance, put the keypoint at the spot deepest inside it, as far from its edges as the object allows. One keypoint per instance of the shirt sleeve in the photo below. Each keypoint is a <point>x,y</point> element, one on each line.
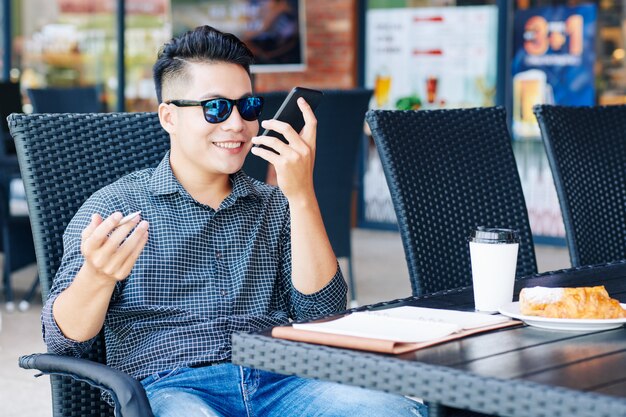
<point>332,298</point>
<point>328,300</point>
<point>71,263</point>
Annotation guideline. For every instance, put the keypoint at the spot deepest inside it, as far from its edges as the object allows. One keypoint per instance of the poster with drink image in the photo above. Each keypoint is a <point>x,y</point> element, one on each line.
<point>554,55</point>
<point>423,58</point>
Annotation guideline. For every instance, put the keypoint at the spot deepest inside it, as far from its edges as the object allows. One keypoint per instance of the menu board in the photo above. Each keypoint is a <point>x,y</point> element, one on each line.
<point>423,58</point>
<point>436,57</point>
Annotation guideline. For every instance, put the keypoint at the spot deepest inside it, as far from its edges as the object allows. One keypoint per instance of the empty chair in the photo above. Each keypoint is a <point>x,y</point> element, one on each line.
<point>586,148</point>
<point>449,171</point>
<point>64,159</point>
<point>11,103</point>
<point>340,116</point>
<point>17,240</point>
<point>65,100</point>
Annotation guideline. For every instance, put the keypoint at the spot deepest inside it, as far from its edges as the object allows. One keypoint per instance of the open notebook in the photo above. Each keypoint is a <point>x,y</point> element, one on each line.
<point>395,330</point>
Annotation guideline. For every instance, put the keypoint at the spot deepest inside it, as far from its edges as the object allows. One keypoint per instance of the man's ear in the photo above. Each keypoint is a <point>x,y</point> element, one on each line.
<point>167,117</point>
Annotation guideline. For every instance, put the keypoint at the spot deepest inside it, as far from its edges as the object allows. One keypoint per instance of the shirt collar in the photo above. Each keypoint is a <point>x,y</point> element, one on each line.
<point>164,182</point>
<point>243,186</point>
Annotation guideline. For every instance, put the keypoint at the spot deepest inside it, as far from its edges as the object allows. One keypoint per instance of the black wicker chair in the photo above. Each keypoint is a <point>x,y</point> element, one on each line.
<point>64,158</point>
<point>586,148</point>
<point>17,240</point>
<point>449,171</point>
<point>340,116</point>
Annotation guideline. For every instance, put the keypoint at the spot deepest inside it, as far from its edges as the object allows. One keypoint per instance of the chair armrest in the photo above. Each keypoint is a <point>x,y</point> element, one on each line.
<point>128,393</point>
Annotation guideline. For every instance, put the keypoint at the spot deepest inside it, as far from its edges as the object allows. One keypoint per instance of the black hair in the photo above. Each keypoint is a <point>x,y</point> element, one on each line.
<point>202,44</point>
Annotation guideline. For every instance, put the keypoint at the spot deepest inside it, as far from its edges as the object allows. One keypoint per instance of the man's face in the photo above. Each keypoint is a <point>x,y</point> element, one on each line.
<point>201,148</point>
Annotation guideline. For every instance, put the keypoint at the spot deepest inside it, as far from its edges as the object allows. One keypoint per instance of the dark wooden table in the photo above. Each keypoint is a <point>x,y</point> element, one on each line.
<point>522,371</point>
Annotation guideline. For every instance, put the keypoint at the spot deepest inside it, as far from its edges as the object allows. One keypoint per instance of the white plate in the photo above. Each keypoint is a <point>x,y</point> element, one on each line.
<point>578,325</point>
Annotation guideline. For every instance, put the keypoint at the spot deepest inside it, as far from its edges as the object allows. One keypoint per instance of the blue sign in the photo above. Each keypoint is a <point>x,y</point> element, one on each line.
<point>554,56</point>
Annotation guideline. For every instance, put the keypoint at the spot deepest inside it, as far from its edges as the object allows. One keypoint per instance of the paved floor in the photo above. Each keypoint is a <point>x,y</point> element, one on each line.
<point>379,267</point>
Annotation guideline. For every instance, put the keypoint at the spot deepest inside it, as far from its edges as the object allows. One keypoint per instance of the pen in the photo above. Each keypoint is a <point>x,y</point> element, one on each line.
<point>129,217</point>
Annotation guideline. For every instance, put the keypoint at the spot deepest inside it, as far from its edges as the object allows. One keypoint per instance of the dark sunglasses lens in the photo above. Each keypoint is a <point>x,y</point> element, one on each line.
<point>250,108</point>
<point>217,110</point>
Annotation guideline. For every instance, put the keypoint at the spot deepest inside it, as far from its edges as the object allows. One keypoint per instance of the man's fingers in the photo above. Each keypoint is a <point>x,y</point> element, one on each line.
<point>266,154</point>
<point>95,222</point>
<point>309,131</point>
<point>126,248</point>
<point>271,142</point>
<point>102,240</point>
<point>119,234</point>
<point>97,235</point>
<point>285,129</point>
<point>103,230</point>
<point>139,240</point>
<point>114,263</point>
<point>277,126</point>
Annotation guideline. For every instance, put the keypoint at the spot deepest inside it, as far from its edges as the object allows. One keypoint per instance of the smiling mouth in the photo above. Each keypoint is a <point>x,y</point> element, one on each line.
<point>228,145</point>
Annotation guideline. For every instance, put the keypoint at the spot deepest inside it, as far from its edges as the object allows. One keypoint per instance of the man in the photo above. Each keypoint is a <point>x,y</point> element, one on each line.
<point>223,253</point>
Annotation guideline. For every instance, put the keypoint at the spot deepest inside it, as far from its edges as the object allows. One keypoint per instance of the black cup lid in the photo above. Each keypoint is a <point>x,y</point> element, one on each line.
<point>484,234</point>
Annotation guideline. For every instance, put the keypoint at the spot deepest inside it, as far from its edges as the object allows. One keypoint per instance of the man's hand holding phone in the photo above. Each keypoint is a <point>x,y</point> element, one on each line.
<point>313,262</point>
<point>293,161</point>
<point>288,141</point>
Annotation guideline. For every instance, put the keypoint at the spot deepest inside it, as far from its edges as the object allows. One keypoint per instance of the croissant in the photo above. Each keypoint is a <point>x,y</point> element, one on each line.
<point>570,303</point>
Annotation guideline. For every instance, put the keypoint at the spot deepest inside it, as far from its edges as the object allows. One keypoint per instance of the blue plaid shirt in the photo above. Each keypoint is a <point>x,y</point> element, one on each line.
<point>203,274</point>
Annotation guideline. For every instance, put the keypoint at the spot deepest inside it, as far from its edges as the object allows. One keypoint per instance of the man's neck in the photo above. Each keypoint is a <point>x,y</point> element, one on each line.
<point>209,190</point>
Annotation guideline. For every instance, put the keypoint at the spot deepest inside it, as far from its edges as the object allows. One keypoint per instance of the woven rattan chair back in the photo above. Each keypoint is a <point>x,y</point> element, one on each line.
<point>586,148</point>
<point>449,171</point>
<point>64,158</point>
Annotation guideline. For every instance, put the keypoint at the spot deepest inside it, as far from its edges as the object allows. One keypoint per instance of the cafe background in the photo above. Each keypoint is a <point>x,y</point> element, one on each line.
<point>432,55</point>
<point>415,54</point>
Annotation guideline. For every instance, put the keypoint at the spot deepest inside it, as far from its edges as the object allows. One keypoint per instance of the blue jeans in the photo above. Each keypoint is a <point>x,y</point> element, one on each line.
<point>229,390</point>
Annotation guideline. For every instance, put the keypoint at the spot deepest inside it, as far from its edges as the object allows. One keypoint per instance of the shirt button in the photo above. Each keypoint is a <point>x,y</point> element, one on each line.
<point>223,293</point>
<point>218,255</point>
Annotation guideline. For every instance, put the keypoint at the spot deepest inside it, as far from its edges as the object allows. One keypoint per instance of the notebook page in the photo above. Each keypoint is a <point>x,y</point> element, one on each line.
<point>375,326</point>
<point>463,319</point>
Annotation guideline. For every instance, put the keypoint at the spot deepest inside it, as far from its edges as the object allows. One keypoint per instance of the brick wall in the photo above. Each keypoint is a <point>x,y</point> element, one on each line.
<point>331,48</point>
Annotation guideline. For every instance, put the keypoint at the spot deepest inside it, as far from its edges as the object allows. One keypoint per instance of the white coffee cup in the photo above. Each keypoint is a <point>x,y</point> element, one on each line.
<point>493,253</point>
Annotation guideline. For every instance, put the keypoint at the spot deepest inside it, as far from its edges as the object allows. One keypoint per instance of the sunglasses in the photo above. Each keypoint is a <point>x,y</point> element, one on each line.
<point>217,110</point>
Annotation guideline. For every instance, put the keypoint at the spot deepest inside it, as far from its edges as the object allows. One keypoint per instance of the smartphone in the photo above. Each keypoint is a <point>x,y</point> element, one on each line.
<point>289,112</point>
